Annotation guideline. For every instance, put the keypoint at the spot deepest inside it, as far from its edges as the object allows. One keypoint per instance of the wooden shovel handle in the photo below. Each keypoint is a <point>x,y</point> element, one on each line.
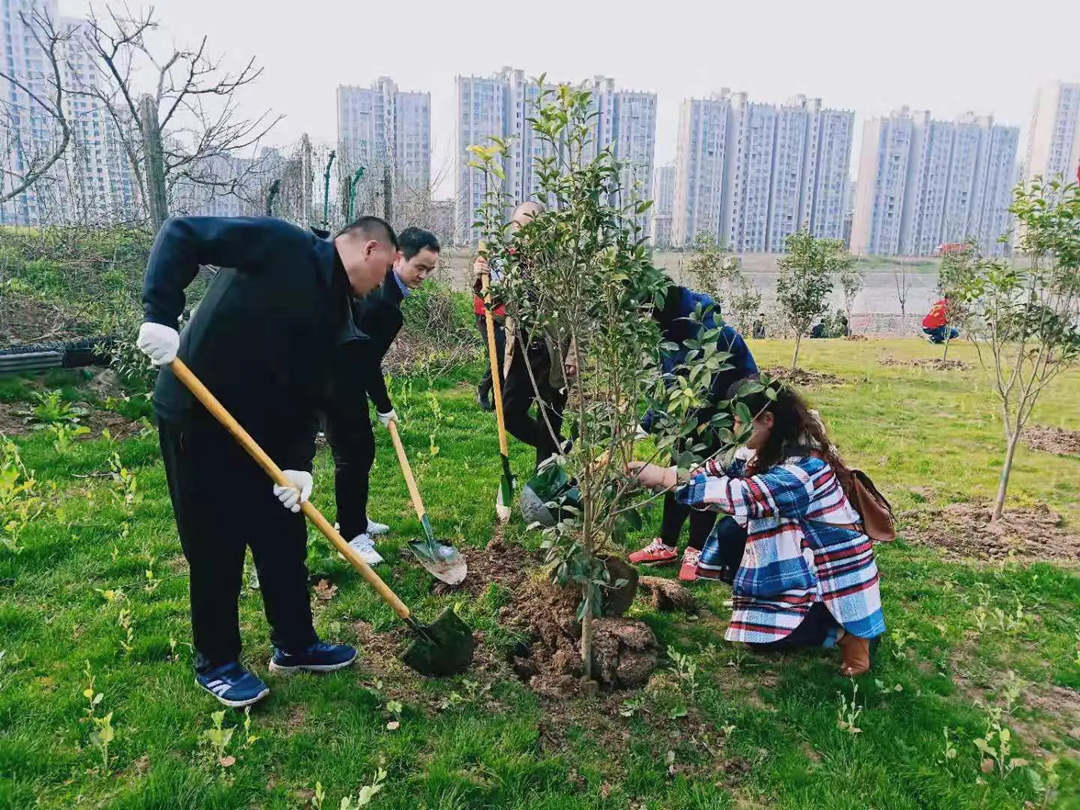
<point>217,410</point>
<point>493,359</point>
<point>406,470</point>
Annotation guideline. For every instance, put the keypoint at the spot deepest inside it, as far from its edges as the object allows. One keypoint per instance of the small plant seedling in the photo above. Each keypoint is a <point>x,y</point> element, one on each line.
<point>51,408</point>
<point>631,706</point>
<point>20,502</point>
<point>152,580</point>
<point>394,708</point>
<point>218,738</point>
<point>685,669</point>
<point>102,735</point>
<point>64,436</point>
<point>847,713</point>
<point>249,738</point>
<point>950,753</point>
<point>125,484</point>
<point>366,794</point>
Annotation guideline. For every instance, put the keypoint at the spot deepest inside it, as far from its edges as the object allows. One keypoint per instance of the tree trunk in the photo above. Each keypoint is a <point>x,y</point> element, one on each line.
<point>587,630</point>
<point>1003,485</point>
<point>157,200</point>
<point>945,354</point>
<point>795,357</point>
<point>388,193</point>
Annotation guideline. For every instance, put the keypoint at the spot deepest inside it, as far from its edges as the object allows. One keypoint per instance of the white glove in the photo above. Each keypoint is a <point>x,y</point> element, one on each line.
<point>386,418</point>
<point>292,496</point>
<point>158,342</point>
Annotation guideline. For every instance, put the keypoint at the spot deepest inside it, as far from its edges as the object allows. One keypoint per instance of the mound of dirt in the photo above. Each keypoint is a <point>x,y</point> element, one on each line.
<point>927,362</point>
<point>668,595</point>
<point>1053,440</point>
<point>625,651</point>
<point>1024,534</point>
<point>856,337</point>
<point>803,377</point>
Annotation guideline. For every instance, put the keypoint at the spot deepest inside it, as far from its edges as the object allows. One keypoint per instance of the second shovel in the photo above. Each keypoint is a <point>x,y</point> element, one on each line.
<point>441,560</point>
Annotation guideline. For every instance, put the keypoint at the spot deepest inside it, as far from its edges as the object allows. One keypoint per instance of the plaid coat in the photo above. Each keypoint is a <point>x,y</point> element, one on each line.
<point>796,551</point>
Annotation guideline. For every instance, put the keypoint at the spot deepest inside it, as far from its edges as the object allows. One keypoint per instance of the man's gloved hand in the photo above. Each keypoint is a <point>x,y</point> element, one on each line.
<point>291,497</point>
<point>386,418</point>
<point>158,342</point>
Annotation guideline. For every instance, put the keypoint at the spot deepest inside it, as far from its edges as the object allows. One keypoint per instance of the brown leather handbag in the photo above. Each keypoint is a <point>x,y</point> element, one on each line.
<point>877,514</point>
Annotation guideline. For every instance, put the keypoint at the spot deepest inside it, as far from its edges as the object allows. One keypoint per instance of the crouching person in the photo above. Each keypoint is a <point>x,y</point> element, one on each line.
<point>808,576</point>
<point>260,341</point>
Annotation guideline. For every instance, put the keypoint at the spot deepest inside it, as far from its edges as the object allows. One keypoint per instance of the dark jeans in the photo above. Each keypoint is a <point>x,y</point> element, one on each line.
<point>675,513</point>
<point>812,632</point>
<point>518,399</point>
<point>938,335</point>
<point>352,442</point>
<point>223,503</point>
<point>500,352</point>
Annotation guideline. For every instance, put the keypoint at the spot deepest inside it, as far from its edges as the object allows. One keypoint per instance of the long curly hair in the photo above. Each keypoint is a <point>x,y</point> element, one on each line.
<point>797,431</point>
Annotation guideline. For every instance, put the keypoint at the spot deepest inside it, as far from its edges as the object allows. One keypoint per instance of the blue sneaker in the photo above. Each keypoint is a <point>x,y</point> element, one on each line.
<point>319,657</point>
<point>232,685</point>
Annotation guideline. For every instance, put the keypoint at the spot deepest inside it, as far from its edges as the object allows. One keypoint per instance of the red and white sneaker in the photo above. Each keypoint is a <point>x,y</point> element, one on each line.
<point>656,553</point>
<point>688,569</point>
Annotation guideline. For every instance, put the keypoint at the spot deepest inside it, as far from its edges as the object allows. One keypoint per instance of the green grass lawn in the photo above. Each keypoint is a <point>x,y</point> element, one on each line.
<point>968,643</point>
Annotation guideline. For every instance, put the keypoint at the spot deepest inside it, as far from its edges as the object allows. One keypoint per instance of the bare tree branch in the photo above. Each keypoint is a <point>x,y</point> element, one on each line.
<point>41,28</point>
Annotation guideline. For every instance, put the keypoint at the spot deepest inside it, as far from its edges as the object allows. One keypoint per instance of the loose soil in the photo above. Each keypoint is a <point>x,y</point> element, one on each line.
<point>1053,440</point>
<point>25,319</point>
<point>927,362</point>
<point>14,422</point>
<point>667,595</point>
<point>803,377</point>
<point>1024,534</point>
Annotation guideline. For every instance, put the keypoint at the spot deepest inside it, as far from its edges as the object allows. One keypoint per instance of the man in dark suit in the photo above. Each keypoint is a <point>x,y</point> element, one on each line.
<point>358,377</point>
<point>261,340</point>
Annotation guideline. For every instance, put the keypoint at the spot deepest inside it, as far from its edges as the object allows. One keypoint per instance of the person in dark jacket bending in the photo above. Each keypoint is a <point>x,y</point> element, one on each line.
<point>677,325</point>
<point>261,340</point>
<point>358,376</point>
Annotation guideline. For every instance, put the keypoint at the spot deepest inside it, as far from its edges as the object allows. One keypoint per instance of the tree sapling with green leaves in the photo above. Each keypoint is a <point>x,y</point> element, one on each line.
<point>1026,318</point>
<point>806,278</point>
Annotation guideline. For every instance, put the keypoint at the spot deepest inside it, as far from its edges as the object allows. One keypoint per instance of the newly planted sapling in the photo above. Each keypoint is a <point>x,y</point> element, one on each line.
<point>580,288</point>
<point>1025,318</point>
<point>806,279</point>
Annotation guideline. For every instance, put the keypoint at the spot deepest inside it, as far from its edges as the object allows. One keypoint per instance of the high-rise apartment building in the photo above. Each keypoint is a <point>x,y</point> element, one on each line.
<point>92,182</point>
<point>752,174</point>
<point>501,105</point>
<point>663,196</point>
<point>387,131</point>
<point>924,182</point>
<point>1054,140</point>
<point>701,160</point>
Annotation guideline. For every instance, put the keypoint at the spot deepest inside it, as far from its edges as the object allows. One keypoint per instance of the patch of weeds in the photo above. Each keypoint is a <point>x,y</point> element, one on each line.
<point>20,502</point>
<point>64,436</point>
<point>50,408</point>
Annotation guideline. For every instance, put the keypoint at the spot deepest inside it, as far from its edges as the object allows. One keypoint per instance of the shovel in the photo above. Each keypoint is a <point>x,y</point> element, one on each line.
<point>441,560</point>
<point>506,485</point>
<point>444,647</point>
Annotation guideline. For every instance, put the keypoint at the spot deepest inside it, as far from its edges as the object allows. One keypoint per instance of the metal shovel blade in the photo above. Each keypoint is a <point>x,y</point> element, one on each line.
<point>442,561</point>
<point>444,647</point>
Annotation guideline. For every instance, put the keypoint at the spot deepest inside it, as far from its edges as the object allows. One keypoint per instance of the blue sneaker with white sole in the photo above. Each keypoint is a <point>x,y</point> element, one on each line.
<point>232,685</point>
<point>319,657</point>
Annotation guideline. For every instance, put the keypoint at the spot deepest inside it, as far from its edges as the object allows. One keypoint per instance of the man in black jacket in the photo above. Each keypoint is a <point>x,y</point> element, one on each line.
<point>358,376</point>
<point>261,340</point>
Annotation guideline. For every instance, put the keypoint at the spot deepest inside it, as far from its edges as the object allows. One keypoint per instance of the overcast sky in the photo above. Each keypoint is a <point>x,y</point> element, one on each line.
<point>948,56</point>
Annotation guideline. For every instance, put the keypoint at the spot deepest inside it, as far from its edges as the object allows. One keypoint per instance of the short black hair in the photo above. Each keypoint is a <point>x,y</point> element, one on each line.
<point>372,228</point>
<point>413,240</point>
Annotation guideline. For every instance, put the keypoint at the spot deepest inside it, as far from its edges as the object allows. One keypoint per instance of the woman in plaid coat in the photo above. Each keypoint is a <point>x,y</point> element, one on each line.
<point>808,575</point>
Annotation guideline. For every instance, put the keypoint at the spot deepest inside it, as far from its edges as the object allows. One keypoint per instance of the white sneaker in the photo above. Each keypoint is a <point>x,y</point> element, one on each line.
<point>365,547</point>
<point>375,528</point>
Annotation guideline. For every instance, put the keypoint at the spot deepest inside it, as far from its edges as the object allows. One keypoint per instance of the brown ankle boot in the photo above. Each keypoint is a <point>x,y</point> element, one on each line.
<point>856,652</point>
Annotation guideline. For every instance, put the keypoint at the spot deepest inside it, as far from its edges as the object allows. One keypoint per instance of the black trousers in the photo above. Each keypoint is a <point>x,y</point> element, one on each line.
<point>675,513</point>
<point>500,352</point>
<point>518,399</point>
<point>812,632</point>
<point>352,442</point>
<point>223,503</point>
